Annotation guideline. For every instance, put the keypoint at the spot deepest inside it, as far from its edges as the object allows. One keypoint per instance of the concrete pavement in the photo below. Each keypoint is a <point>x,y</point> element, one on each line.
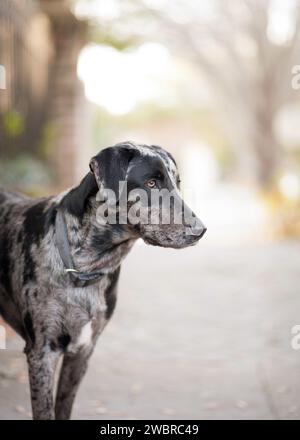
<point>198,333</point>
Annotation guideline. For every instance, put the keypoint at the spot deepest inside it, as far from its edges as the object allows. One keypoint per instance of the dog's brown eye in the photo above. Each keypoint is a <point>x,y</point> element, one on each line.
<point>151,183</point>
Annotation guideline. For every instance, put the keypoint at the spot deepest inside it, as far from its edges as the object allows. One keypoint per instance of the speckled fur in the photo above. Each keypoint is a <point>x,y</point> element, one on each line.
<point>40,300</point>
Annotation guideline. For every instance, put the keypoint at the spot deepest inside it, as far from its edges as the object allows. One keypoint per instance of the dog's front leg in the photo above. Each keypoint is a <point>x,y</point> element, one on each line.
<point>41,365</point>
<point>72,371</point>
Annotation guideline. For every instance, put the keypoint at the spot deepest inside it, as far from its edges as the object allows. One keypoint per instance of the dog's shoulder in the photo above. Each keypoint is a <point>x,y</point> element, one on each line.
<point>33,216</point>
<point>11,204</point>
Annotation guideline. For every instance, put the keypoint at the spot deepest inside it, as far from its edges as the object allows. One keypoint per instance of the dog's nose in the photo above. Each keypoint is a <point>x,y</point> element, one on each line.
<point>202,232</point>
<point>197,229</point>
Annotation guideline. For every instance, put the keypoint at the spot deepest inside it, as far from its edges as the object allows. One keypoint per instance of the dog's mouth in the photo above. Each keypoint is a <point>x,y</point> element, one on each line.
<point>151,241</point>
<point>167,242</point>
<point>179,241</point>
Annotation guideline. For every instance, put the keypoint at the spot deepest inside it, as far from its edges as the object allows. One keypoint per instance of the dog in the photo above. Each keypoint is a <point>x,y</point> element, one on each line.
<point>59,265</point>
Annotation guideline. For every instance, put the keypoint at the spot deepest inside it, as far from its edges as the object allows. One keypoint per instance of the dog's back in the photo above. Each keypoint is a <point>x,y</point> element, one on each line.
<point>13,207</point>
<point>8,202</point>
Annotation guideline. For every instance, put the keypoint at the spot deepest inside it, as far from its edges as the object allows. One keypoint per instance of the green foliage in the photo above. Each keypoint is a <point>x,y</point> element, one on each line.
<point>105,37</point>
<point>295,157</point>
<point>47,139</point>
<point>13,124</point>
<point>24,173</point>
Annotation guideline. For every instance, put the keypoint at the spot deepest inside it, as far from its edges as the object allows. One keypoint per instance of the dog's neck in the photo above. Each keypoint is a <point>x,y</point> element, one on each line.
<point>93,246</point>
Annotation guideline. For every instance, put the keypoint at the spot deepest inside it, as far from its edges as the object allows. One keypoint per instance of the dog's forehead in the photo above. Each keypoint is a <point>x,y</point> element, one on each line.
<point>153,152</point>
<point>146,166</point>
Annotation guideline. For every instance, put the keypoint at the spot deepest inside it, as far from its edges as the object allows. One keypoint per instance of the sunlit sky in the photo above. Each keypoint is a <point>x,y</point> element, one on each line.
<point>119,80</point>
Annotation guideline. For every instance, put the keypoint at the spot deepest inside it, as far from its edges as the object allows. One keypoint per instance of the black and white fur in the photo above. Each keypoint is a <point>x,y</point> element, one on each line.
<point>41,301</point>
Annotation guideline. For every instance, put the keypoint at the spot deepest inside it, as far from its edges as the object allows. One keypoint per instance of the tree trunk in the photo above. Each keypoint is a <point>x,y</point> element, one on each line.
<point>66,95</point>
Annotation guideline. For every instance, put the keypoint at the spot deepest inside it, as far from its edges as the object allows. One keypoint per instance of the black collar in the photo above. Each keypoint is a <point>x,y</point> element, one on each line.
<point>63,245</point>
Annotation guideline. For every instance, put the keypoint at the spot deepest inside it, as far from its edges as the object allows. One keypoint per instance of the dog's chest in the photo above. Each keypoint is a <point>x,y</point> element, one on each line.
<point>82,339</point>
<point>84,315</point>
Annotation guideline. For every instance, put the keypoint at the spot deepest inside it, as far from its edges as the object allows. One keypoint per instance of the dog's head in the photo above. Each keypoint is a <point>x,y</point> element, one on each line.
<point>141,185</point>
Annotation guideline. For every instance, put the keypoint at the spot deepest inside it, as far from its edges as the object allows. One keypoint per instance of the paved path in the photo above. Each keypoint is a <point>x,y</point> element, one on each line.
<point>198,333</point>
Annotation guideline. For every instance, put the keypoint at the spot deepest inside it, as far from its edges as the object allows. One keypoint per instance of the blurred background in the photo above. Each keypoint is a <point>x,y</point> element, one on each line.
<point>217,84</point>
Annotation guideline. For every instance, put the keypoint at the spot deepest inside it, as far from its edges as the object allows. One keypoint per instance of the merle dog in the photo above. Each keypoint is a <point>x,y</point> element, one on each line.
<point>59,266</point>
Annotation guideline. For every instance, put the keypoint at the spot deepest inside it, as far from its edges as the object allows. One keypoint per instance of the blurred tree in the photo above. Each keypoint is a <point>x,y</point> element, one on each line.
<point>245,49</point>
<point>43,102</point>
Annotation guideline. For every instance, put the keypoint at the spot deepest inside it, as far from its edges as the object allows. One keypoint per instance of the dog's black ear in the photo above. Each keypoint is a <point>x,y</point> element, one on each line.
<point>76,200</point>
<point>110,167</point>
